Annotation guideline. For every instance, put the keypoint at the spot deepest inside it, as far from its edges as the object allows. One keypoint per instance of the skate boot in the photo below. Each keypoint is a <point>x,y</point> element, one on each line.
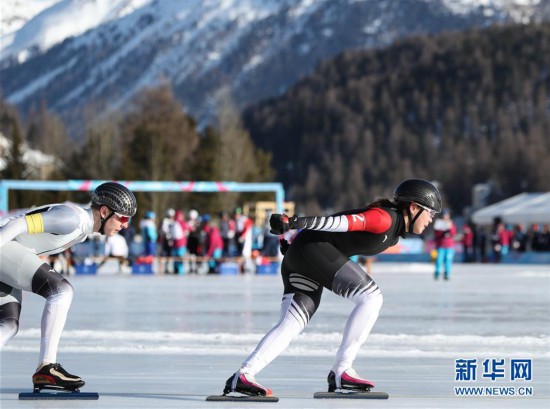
<point>245,384</point>
<point>350,381</point>
<point>53,376</point>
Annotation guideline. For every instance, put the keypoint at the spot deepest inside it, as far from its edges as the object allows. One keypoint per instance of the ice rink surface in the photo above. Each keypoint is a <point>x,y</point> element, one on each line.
<point>170,341</point>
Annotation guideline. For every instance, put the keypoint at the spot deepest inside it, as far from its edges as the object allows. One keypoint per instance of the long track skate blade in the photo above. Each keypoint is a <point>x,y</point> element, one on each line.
<point>351,395</point>
<point>58,395</point>
<point>243,398</point>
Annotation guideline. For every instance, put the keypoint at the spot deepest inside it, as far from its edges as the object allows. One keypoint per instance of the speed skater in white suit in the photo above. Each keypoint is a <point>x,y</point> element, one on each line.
<point>47,230</point>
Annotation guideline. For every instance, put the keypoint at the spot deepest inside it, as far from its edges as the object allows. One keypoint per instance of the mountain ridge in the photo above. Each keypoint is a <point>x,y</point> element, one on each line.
<point>256,49</point>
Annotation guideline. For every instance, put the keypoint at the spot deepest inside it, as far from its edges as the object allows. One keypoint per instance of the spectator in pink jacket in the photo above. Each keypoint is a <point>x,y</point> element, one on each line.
<point>213,243</point>
<point>179,231</point>
<point>445,231</point>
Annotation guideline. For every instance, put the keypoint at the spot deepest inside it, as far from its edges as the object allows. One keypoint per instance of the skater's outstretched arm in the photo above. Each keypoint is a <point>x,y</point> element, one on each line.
<point>373,220</point>
<point>56,219</point>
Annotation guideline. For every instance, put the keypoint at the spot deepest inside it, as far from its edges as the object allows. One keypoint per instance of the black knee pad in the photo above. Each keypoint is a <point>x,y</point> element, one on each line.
<point>350,281</point>
<point>10,311</point>
<point>9,317</point>
<point>46,282</point>
<point>307,304</point>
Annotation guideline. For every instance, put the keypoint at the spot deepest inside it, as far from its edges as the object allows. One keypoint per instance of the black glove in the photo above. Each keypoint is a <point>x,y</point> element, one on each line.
<point>279,223</point>
<point>284,246</point>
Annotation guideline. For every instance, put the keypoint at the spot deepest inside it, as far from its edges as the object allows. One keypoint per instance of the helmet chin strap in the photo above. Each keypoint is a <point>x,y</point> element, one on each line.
<point>103,221</point>
<point>412,219</point>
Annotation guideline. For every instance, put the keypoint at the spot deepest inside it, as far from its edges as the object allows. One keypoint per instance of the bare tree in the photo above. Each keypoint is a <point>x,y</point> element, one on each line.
<point>237,158</point>
<point>159,141</point>
<point>46,132</point>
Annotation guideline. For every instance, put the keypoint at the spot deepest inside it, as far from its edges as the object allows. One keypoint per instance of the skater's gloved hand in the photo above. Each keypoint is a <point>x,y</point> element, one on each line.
<point>279,223</point>
<point>284,246</point>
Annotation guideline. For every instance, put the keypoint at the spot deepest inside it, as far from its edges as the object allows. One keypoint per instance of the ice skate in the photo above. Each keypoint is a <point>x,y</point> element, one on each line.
<point>242,387</point>
<point>349,381</point>
<point>351,387</point>
<point>53,376</point>
<point>245,384</point>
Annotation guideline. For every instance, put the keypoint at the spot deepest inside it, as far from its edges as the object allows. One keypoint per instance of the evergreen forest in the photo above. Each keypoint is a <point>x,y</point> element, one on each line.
<point>460,109</point>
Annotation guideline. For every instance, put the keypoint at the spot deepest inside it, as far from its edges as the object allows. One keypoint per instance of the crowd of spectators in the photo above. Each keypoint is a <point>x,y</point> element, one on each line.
<point>187,241</point>
<point>190,242</point>
<point>490,244</point>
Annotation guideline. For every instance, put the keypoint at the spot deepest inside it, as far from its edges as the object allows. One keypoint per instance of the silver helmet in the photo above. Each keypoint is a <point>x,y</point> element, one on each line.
<point>116,197</point>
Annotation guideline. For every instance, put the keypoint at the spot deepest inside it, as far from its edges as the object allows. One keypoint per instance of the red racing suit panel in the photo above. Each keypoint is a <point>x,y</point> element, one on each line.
<point>375,220</point>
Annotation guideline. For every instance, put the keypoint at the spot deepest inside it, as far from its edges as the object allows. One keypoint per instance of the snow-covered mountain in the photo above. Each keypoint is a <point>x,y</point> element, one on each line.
<point>75,52</point>
<point>16,13</point>
<point>33,26</point>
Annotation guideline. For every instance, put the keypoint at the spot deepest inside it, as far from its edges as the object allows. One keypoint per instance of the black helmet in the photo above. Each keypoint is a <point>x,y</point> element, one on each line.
<point>116,197</point>
<point>419,191</point>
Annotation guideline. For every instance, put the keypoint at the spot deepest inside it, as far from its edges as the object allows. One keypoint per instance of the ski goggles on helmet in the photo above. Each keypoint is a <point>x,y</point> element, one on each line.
<point>122,218</point>
<point>430,211</point>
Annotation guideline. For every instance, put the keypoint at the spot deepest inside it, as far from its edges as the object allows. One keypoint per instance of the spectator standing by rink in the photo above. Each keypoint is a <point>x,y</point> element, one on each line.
<point>179,231</point>
<point>129,234</point>
<point>468,249</point>
<point>480,244</point>
<point>227,231</point>
<point>41,231</point>
<point>520,239</point>
<point>193,239</point>
<point>116,247</point>
<point>501,239</point>
<point>149,234</point>
<point>270,247</point>
<point>505,236</point>
<point>244,225</point>
<point>213,243</point>
<point>445,232</point>
<point>164,232</point>
<point>540,240</point>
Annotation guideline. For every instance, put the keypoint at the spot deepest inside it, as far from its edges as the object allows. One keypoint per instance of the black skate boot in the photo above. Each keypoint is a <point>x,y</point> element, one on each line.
<point>53,376</point>
<point>245,384</point>
<point>349,381</point>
